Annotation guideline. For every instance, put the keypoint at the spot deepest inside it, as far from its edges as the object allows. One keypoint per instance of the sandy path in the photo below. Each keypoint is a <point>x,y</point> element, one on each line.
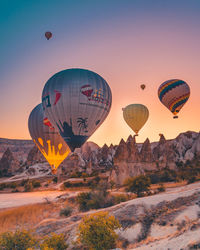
<point>20,199</point>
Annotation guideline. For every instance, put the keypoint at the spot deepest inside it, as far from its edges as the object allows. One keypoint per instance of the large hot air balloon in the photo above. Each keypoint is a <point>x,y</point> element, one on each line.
<point>142,86</point>
<point>48,35</point>
<point>76,101</point>
<point>174,94</point>
<point>46,138</point>
<point>135,116</point>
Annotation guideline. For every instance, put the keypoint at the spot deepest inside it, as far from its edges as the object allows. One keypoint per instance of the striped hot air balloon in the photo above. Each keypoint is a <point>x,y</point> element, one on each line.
<point>135,116</point>
<point>174,94</point>
<point>84,102</point>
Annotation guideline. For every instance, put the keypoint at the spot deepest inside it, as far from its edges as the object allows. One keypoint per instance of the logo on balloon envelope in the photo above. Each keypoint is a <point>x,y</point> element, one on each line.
<point>47,123</point>
<point>94,95</point>
<point>46,99</point>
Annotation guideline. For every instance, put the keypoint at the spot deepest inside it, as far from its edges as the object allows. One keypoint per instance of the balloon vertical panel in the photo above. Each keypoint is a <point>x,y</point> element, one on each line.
<point>46,138</point>
<point>76,101</point>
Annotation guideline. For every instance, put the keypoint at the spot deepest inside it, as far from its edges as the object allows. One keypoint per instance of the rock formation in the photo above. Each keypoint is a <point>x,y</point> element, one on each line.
<point>8,164</point>
<point>35,156</point>
<point>126,159</point>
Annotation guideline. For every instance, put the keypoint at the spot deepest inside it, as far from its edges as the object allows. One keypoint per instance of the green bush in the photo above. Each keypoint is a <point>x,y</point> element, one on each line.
<point>28,187</point>
<point>15,191</point>
<point>12,185</point>
<point>83,199</point>
<point>19,240</point>
<point>23,182</point>
<point>2,186</point>
<point>191,179</point>
<point>55,179</point>
<point>36,184</point>
<point>120,198</point>
<point>138,185</point>
<point>97,231</point>
<point>54,242</point>
<point>161,188</point>
<point>66,211</point>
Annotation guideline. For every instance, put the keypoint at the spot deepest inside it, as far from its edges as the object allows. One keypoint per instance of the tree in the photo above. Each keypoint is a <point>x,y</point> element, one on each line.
<point>54,242</point>
<point>138,184</point>
<point>112,184</point>
<point>96,231</point>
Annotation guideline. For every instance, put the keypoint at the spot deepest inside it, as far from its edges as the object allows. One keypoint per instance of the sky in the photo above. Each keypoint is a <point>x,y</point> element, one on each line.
<point>127,42</point>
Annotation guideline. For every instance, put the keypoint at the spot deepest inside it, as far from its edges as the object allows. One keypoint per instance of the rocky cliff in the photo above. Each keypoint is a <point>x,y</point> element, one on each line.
<point>8,164</point>
<point>126,159</point>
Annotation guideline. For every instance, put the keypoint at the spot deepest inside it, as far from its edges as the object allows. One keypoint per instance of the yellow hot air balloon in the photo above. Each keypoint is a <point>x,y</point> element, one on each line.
<point>135,116</point>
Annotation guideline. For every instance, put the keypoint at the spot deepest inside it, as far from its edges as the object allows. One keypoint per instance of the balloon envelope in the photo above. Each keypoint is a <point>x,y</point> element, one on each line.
<point>135,116</point>
<point>46,138</point>
<point>76,101</point>
<point>174,94</point>
<point>48,35</point>
<point>142,86</point>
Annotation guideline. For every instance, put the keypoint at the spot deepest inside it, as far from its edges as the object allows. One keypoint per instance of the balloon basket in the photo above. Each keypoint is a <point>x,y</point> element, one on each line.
<point>54,171</point>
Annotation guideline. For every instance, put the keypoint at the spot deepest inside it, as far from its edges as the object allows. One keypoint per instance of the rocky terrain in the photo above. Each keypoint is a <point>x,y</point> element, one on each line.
<point>167,221</point>
<point>19,148</point>
<point>117,162</point>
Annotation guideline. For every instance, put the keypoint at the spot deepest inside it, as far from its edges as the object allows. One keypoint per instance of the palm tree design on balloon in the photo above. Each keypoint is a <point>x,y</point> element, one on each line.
<point>82,124</point>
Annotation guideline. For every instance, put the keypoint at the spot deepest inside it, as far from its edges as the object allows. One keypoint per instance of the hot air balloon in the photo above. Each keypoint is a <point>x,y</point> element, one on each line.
<point>174,94</point>
<point>76,101</point>
<point>46,138</point>
<point>142,86</point>
<point>48,35</point>
<point>135,116</point>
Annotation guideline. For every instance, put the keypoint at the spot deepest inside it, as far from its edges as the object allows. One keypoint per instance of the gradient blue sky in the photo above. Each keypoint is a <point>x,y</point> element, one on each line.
<point>128,42</point>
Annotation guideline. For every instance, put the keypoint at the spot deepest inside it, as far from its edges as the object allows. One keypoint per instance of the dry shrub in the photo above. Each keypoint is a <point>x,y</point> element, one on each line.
<point>25,216</point>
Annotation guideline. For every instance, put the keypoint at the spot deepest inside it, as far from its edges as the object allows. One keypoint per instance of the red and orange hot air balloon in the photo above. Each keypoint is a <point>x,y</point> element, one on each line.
<point>48,35</point>
<point>142,86</point>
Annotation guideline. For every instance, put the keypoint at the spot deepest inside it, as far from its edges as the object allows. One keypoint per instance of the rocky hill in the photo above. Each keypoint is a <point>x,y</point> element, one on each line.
<point>19,148</point>
<point>170,220</point>
<point>116,161</point>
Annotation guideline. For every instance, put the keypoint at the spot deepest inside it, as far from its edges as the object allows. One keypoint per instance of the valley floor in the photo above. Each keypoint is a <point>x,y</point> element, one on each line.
<point>165,221</point>
<point>8,200</point>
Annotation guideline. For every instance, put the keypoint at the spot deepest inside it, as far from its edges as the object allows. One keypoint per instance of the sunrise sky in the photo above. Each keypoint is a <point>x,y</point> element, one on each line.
<point>127,42</point>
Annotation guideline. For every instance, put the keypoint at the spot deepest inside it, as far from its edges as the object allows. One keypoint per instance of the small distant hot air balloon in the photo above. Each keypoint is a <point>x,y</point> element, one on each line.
<point>135,116</point>
<point>174,94</point>
<point>84,102</point>
<point>142,86</point>
<point>46,138</point>
<point>48,35</point>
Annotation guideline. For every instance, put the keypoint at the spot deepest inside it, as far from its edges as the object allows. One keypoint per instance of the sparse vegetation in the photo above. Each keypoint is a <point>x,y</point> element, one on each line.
<point>138,184</point>
<point>55,179</point>
<point>23,240</point>
<point>2,186</point>
<point>98,198</point>
<point>66,211</point>
<point>97,231</point>
<point>54,242</point>
<point>12,185</point>
<point>36,184</point>
<point>28,187</point>
<point>18,240</point>
<point>23,182</point>
<point>26,216</point>
<point>161,188</point>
